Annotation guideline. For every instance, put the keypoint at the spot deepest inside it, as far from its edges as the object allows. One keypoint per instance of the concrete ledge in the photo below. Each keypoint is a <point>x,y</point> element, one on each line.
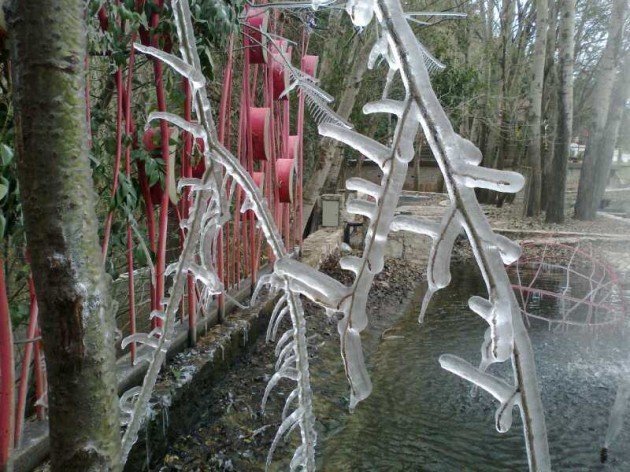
<point>35,444</point>
<point>178,403</point>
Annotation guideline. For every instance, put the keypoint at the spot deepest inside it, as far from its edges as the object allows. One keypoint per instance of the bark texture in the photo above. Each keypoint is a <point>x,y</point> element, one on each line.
<point>620,95</point>
<point>533,204</point>
<point>586,204</point>
<point>557,188</point>
<point>76,312</point>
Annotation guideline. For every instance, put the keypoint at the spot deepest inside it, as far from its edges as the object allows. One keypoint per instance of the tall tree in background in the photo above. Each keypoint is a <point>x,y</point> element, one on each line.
<point>331,150</point>
<point>533,203</point>
<point>549,104</point>
<point>621,93</point>
<point>49,39</point>
<point>587,204</point>
<point>566,46</point>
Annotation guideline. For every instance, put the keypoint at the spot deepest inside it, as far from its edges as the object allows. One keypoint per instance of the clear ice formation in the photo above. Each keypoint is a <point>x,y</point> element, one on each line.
<point>198,256</point>
<point>458,159</point>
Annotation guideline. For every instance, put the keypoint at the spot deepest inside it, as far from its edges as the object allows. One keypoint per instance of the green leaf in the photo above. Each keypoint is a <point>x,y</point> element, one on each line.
<point>6,154</point>
<point>3,224</point>
<point>4,188</point>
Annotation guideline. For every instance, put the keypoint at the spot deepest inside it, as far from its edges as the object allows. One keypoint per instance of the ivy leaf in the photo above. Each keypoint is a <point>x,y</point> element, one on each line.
<point>4,188</point>
<point>6,154</point>
<point>3,224</point>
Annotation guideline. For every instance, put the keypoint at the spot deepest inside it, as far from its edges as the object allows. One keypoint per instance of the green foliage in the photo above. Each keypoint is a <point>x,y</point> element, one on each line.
<point>10,205</point>
<point>457,87</point>
<point>214,21</point>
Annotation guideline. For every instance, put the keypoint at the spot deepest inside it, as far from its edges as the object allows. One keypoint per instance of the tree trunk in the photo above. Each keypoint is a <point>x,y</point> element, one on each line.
<point>621,93</point>
<point>332,150</point>
<point>549,106</point>
<point>49,39</point>
<point>557,189</point>
<point>585,207</point>
<point>533,203</point>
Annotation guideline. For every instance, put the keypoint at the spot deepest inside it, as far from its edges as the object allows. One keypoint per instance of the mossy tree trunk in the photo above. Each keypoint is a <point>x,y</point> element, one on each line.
<point>49,39</point>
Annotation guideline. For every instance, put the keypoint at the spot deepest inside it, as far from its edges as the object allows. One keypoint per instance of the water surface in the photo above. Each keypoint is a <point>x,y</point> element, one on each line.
<point>422,418</point>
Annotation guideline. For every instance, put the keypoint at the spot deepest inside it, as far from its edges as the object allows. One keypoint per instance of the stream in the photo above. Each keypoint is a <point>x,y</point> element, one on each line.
<point>422,418</point>
<point>419,417</point>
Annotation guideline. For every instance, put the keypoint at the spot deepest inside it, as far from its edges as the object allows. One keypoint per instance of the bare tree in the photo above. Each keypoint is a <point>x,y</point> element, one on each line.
<point>586,204</point>
<point>555,204</point>
<point>49,48</point>
<point>332,152</point>
<point>533,204</point>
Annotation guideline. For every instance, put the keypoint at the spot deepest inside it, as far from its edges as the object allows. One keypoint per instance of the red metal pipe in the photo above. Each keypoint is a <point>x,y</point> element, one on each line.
<point>118,158</point>
<point>165,152</point>
<point>41,384</point>
<point>7,374</point>
<point>26,362</point>
<point>129,127</point>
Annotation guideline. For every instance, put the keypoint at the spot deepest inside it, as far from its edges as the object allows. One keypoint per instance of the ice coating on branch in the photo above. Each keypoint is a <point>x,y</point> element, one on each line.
<point>459,161</point>
<point>364,186</point>
<point>380,49</point>
<point>469,153</point>
<point>360,11</point>
<point>415,225</point>
<point>311,283</point>
<point>498,316</point>
<point>506,394</point>
<point>203,227</point>
<point>192,128</point>
<point>491,179</point>
<point>370,148</point>
<point>361,207</point>
<point>352,263</point>
<point>387,105</point>
<point>196,78</point>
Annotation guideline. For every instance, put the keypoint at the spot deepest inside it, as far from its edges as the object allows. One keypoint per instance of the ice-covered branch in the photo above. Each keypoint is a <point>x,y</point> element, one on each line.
<point>458,160</point>
<point>203,226</point>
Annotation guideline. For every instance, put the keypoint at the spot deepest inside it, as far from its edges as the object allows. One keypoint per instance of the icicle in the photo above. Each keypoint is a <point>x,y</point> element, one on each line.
<point>618,412</point>
<point>355,365</point>
<point>360,11</point>
<point>491,179</point>
<point>438,272</point>
<point>360,185</point>
<point>371,149</point>
<point>361,207</point>
<point>196,78</point>
<point>415,225</point>
<point>506,394</point>
<point>509,250</point>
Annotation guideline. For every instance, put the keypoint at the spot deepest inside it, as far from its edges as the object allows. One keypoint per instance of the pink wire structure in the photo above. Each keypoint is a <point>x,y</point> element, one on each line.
<point>585,289</point>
